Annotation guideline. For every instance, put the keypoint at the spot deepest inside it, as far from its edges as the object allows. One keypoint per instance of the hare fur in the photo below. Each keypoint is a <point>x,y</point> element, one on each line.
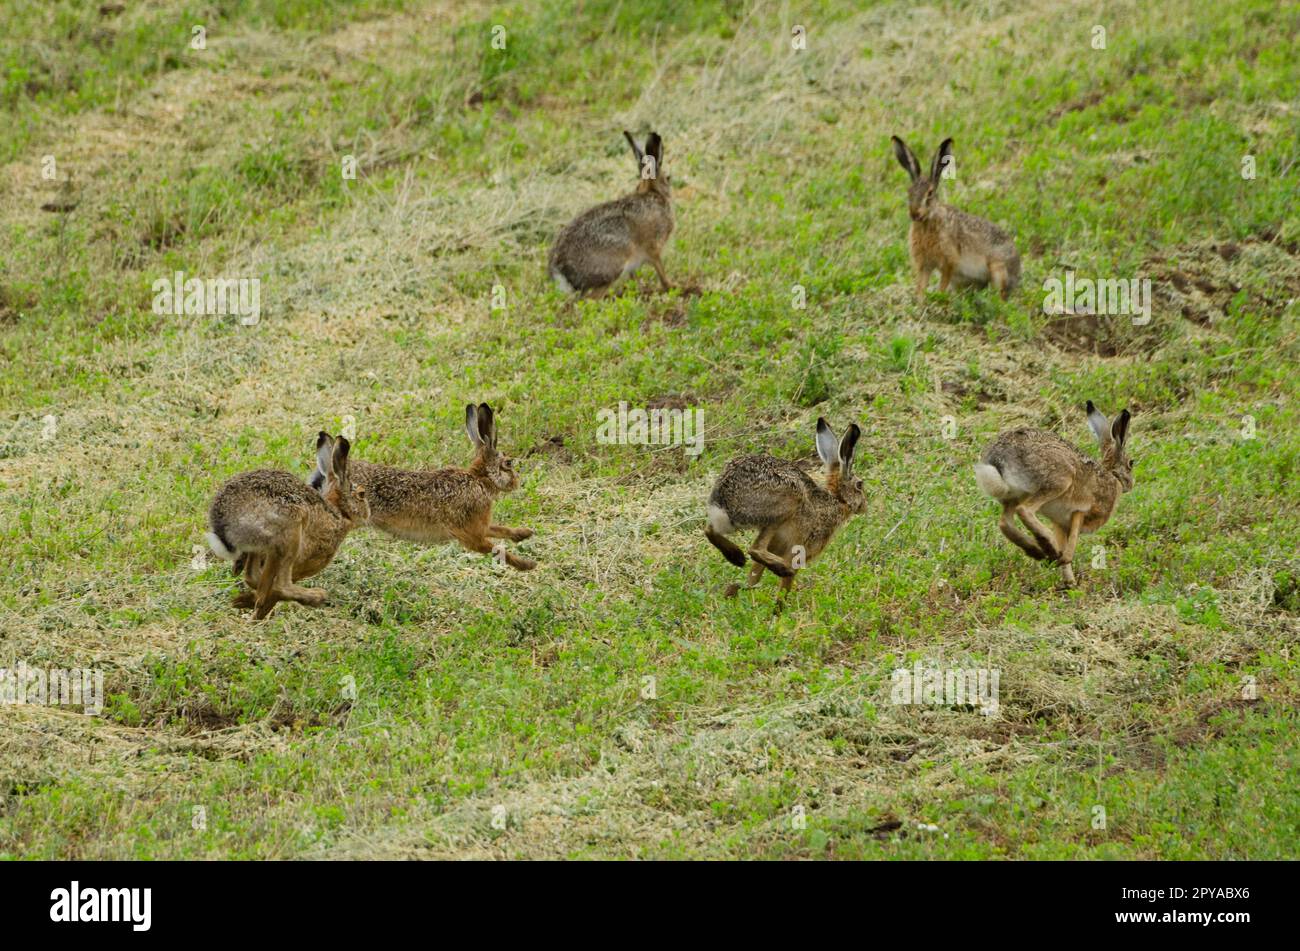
<point>279,531</point>
<point>795,516</point>
<point>967,251</point>
<point>609,242</point>
<point>1032,472</point>
<point>436,506</point>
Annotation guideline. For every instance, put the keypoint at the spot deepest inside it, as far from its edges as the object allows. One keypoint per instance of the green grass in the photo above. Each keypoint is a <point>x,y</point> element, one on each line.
<point>438,696</point>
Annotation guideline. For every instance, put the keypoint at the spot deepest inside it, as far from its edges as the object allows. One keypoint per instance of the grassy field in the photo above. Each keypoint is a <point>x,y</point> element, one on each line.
<point>506,714</point>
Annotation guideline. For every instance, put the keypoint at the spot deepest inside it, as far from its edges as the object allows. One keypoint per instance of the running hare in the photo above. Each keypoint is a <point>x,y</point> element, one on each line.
<point>1031,471</point>
<point>278,531</point>
<point>967,250</point>
<point>612,240</point>
<point>434,506</point>
<point>795,516</point>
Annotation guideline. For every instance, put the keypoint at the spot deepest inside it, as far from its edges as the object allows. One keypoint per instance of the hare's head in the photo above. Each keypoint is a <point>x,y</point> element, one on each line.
<point>1113,438</point>
<point>837,458</point>
<point>496,467</point>
<point>650,165</point>
<point>333,481</point>
<point>923,195</point>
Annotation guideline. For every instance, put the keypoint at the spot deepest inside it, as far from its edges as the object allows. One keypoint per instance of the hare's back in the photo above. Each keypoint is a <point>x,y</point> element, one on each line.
<point>1033,460</point>
<point>255,508</point>
<point>760,490</point>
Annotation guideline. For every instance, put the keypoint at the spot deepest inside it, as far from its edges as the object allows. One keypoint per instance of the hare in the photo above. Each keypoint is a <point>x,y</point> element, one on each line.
<point>278,531</point>
<point>441,505</point>
<point>967,250</point>
<point>795,516</point>
<point>612,240</point>
<point>1034,472</point>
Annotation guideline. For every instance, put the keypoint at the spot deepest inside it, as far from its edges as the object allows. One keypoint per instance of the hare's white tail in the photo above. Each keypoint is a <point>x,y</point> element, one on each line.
<point>561,281</point>
<point>991,482</point>
<point>219,547</point>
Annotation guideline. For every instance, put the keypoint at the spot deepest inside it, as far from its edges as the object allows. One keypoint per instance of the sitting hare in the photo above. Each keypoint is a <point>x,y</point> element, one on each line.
<point>795,516</point>
<point>1032,472</point>
<point>612,240</point>
<point>433,506</point>
<point>278,531</point>
<point>967,250</point>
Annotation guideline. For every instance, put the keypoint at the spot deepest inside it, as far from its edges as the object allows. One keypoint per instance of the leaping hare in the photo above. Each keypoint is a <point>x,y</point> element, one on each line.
<point>795,516</point>
<point>277,530</point>
<point>966,250</point>
<point>612,240</point>
<point>1031,471</point>
<point>435,506</point>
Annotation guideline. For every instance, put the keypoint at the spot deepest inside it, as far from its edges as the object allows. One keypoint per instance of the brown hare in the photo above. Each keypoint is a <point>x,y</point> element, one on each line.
<point>435,506</point>
<point>1032,472</point>
<point>795,516</point>
<point>966,250</point>
<point>610,241</point>
<point>277,530</point>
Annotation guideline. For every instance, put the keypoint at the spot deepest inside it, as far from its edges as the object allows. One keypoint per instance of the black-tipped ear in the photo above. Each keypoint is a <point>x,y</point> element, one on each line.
<point>340,458</point>
<point>1098,423</point>
<point>324,452</point>
<point>906,158</point>
<point>940,160</point>
<point>847,446</point>
<point>1119,429</point>
<point>487,426</point>
<point>636,149</point>
<point>654,147</point>
<point>471,424</point>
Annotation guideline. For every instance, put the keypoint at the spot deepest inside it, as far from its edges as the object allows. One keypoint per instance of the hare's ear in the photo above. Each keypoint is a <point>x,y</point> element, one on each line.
<point>1119,431</point>
<point>324,450</point>
<point>487,426</point>
<point>847,445</point>
<point>906,158</point>
<point>1098,423</point>
<point>339,460</point>
<point>471,424</point>
<point>941,158</point>
<point>654,147</point>
<point>636,149</point>
<point>827,445</point>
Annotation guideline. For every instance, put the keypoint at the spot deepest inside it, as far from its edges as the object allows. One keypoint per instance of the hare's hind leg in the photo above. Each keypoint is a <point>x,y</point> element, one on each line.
<point>998,277</point>
<point>756,568</point>
<point>267,596</point>
<point>771,562</point>
<point>730,550</point>
<point>252,573</point>
<point>1046,544</point>
<point>755,576</point>
<point>1009,528</point>
<point>312,597</point>
<point>478,542</point>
